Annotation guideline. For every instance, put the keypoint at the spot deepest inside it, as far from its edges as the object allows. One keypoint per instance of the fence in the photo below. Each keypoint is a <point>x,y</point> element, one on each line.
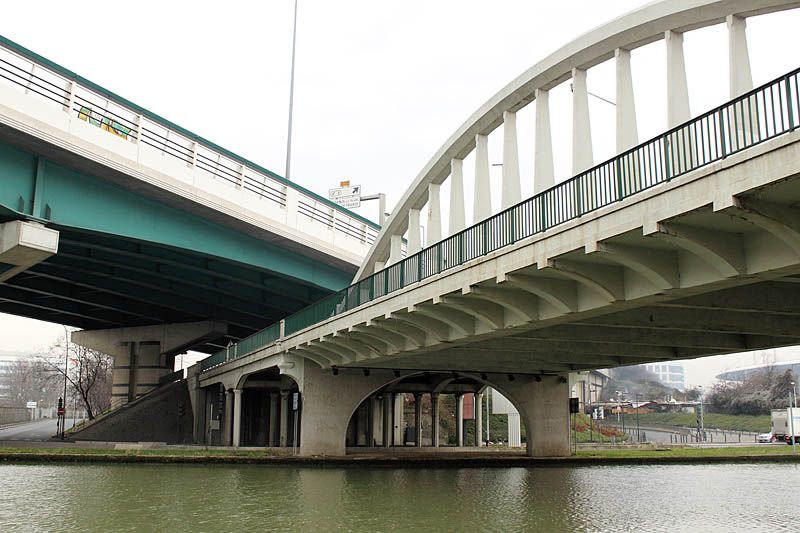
<point>52,84</point>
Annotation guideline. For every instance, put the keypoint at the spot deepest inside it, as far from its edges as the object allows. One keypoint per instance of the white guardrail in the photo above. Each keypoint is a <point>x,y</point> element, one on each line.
<point>39,78</point>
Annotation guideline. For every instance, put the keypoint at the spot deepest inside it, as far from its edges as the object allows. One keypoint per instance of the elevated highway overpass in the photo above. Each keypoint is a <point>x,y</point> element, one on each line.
<point>151,239</point>
<point>683,246</point>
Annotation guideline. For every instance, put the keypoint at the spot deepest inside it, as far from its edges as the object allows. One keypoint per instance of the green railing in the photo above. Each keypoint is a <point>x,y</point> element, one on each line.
<point>757,116</point>
<point>245,346</point>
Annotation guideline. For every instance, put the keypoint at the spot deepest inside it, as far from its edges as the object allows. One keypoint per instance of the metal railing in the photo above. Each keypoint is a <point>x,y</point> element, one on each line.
<point>170,378</point>
<point>34,75</point>
<point>759,115</point>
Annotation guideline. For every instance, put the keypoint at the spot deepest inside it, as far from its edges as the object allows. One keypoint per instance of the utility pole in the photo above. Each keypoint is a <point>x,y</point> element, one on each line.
<point>792,393</point>
<point>291,98</point>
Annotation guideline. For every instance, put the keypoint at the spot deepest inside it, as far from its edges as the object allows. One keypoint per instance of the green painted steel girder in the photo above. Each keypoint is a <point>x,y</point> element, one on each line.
<point>64,198</point>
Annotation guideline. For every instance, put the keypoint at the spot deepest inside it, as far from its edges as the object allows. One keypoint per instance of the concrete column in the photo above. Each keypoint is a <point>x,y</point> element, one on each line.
<point>399,420</point>
<point>414,240</point>
<point>237,417</point>
<point>388,400</point>
<point>510,194</point>
<point>435,419</point>
<point>140,353</point>
<point>677,86</point>
<point>544,407</point>
<point>741,79</point>
<point>478,420</point>
<point>457,220</point>
<point>376,422</point>
<point>395,249</point>
<point>227,439</point>
<point>284,437</point>
<point>434,215</point>
<point>132,370</point>
<point>418,420</point>
<point>482,199</point>
<point>328,403</point>
<point>460,419</point>
<point>197,398</point>
<point>543,174</point>
<point>273,419</point>
<point>627,132</point>
<point>582,157</point>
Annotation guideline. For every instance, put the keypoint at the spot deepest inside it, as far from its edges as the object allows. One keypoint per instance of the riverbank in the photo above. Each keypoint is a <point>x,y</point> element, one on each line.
<point>745,423</point>
<point>641,456</point>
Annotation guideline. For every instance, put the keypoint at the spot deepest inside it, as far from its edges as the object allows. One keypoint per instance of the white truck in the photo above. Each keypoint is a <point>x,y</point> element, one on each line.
<point>782,427</point>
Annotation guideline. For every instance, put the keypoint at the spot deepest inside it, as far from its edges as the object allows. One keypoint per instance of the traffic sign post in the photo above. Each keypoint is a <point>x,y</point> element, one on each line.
<point>347,196</point>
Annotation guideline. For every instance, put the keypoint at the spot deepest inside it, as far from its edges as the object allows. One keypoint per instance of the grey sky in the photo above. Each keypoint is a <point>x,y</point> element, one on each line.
<point>380,85</point>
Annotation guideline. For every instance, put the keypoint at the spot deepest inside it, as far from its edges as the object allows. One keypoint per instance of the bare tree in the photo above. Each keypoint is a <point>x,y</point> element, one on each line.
<point>89,374</point>
<point>32,380</point>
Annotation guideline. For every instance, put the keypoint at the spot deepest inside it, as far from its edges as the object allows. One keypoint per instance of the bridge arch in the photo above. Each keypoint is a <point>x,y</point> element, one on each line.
<point>379,420</point>
<point>667,20</point>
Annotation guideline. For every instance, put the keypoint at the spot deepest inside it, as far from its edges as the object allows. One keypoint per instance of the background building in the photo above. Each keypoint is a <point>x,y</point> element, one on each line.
<point>669,374</point>
<point>741,374</point>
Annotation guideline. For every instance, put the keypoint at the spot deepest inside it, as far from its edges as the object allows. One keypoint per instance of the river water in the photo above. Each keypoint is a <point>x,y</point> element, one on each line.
<point>737,497</point>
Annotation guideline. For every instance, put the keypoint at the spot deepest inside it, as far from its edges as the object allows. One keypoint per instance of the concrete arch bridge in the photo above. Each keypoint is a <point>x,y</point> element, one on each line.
<point>681,246</point>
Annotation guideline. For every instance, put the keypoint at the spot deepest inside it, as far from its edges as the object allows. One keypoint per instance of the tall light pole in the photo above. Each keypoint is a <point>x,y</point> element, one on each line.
<point>66,370</point>
<point>291,98</point>
<point>792,393</point>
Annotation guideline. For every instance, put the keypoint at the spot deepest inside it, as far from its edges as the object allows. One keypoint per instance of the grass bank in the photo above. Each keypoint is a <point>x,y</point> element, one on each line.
<point>662,455</point>
<point>754,424</point>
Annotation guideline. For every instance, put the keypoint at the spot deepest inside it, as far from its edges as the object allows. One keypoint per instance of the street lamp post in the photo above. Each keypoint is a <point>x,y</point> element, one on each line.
<point>792,393</point>
<point>66,370</point>
<point>291,98</point>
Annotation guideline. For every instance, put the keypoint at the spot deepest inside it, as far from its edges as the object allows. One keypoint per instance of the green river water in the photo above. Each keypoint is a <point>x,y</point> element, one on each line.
<point>172,498</point>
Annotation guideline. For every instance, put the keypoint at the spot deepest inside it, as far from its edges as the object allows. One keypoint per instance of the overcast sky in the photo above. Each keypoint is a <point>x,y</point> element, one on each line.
<point>379,85</point>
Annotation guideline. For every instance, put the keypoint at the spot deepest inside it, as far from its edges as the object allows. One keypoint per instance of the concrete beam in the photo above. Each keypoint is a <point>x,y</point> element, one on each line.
<point>24,244</point>
<point>702,321</point>
<point>724,251</point>
<point>172,338</point>
<point>583,333</point>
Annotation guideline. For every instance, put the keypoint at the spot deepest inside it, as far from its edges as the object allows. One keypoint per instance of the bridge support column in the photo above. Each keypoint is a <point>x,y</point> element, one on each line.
<point>197,397</point>
<point>284,438</point>
<point>143,354</point>
<point>460,419</point>
<point>398,418</point>
<point>273,419</point>
<point>226,438</point>
<point>328,404</point>
<point>478,420</point>
<point>388,400</point>
<point>435,419</point>
<point>237,417</point>
<point>418,420</point>
<point>544,407</point>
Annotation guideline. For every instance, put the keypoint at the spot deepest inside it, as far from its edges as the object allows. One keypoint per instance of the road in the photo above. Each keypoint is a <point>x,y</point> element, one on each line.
<point>38,430</point>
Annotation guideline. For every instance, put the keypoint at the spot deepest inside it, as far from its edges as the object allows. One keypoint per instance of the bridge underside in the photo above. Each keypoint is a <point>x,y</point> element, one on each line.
<point>760,315</point>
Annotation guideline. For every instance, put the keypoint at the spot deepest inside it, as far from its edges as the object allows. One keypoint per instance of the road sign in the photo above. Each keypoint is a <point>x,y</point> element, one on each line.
<point>349,197</point>
<point>30,405</point>
<point>61,411</point>
<point>295,401</point>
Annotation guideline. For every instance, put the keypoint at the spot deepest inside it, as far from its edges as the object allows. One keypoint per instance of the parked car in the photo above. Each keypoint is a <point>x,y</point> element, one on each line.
<point>765,437</point>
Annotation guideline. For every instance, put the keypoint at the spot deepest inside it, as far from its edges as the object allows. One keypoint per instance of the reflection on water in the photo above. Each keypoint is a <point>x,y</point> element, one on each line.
<point>267,498</point>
